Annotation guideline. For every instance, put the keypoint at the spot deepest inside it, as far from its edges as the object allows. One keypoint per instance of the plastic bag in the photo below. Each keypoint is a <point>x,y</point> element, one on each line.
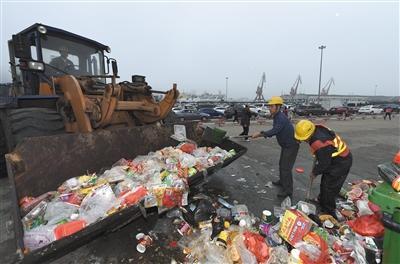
<point>214,254</point>
<point>39,237</point>
<point>313,250</point>
<point>187,160</point>
<point>245,255</point>
<point>363,208</point>
<point>367,225</point>
<point>133,197</point>
<point>286,203</point>
<point>255,244</point>
<point>58,210</point>
<point>358,253</point>
<point>115,174</point>
<point>278,255</point>
<point>96,204</point>
<point>187,147</point>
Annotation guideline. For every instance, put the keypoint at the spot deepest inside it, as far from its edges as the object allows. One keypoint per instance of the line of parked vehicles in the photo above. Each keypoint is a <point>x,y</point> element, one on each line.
<point>206,112</point>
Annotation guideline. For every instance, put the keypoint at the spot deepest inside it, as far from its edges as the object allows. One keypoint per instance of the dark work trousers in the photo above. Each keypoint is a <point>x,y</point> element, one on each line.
<point>389,115</point>
<point>332,181</point>
<point>286,163</point>
<point>245,131</point>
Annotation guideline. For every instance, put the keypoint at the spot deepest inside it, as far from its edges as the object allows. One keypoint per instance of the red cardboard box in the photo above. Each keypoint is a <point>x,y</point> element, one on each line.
<point>295,225</point>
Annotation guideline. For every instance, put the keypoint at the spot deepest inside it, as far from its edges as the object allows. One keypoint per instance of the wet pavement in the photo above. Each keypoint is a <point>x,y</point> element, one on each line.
<point>372,141</point>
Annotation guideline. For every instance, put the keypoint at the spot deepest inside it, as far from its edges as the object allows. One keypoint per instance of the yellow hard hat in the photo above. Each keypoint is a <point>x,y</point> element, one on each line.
<point>275,100</point>
<point>304,129</point>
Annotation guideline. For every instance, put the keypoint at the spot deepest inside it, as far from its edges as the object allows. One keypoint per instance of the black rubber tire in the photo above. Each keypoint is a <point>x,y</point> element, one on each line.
<point>18,124</point>
<point>34,122</point>
<point>3,151</point>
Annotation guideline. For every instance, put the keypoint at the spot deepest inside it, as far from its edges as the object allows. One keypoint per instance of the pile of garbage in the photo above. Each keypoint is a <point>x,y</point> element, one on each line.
<point>157,179</point>
<point>213,230</point>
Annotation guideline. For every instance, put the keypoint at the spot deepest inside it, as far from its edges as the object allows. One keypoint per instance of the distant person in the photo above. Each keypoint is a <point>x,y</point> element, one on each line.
<point>285,111</point>
<point>62,62</point>
<point>388,112</point>
<point>235,115</point>
<point>283,129</point>
<point>245,121</point>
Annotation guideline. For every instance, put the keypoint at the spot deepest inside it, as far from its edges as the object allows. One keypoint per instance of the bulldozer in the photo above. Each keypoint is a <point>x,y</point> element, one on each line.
<point>65,114</point>
<point>62,83</point>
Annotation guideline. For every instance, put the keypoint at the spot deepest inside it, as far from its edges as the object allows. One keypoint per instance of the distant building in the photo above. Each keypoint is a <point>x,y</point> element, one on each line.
<point>328,101</point>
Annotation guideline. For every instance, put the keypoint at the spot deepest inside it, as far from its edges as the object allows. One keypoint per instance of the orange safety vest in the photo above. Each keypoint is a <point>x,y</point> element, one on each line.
<point>341,148</point>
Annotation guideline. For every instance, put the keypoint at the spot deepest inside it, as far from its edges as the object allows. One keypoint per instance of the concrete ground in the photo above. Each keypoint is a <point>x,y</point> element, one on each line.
<point>372,141</point>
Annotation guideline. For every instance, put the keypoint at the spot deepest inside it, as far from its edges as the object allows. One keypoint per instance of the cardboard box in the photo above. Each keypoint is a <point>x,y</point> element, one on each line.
<point>295,225</point>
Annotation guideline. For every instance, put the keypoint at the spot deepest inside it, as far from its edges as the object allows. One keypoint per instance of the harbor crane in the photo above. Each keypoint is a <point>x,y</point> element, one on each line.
<point>327,87</point>
<point>260,87</point>
<point>293,90</point>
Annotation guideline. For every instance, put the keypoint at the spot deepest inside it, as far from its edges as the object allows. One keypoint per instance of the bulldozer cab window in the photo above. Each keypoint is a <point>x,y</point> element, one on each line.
<point>67,57</point>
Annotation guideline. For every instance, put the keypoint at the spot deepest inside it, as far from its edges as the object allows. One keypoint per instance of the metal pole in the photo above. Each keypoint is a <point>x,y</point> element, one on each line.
<point>322,47</point>
<point>226,90</point>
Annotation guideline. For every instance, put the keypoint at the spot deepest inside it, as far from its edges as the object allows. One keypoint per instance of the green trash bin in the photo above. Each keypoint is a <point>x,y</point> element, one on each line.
<point>389,201</point>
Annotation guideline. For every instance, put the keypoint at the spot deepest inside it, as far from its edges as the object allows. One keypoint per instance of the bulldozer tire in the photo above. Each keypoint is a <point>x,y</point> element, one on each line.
<point>18,124</point>
<point>3,151</point>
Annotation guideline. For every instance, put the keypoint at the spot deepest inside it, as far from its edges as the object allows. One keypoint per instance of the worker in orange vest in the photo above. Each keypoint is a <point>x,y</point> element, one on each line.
<point>333,161</point>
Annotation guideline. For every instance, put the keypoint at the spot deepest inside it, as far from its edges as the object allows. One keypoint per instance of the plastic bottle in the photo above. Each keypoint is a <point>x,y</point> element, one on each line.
<point>239,211</point>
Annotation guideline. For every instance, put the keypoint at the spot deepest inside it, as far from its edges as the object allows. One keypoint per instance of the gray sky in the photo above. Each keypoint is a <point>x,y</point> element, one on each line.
<point>197,45</point>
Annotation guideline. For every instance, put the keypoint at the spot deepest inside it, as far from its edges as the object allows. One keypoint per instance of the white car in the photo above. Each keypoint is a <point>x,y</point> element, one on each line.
<point>370,109</point>
<point>177,109</point>
<point>220,109</point>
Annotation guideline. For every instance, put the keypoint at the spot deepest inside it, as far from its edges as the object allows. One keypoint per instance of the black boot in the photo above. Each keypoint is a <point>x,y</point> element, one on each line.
<point>277,183</point>
<point>284,195</point>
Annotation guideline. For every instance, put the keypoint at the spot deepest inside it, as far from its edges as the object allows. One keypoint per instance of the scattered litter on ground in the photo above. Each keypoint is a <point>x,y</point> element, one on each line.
<point>241,180</point>
<point>269,184</point>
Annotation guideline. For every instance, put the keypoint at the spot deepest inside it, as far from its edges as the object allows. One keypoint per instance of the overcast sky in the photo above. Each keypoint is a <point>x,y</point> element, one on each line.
<point>198,45</point>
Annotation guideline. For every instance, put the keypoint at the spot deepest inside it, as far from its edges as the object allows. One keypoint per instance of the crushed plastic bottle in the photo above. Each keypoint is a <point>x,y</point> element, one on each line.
<point>239,211</point>
<point>35,217</point>
<point>306,208</point>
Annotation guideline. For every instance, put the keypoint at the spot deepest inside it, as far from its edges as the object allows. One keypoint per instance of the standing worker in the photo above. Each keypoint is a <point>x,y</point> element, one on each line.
<point>388,112</point>
<point>245,121</point>
<point>333,161</point>
<point>284,132</point>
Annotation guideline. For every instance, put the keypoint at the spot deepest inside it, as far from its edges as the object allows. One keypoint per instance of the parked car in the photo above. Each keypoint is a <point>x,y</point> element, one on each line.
<point>254,110</point>
<point>370,109</point>
<point>261,110</point>
<point>177,109</point>
<point>188,114</point>
<point>264,113</point>
<point>231,110</point>
<point>339,110</point>
<point>306,110</point>
<point>210,111</point>
<point>220,109</point>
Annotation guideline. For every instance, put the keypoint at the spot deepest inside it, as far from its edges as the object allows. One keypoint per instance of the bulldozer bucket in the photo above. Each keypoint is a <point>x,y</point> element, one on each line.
<point>41,164</point>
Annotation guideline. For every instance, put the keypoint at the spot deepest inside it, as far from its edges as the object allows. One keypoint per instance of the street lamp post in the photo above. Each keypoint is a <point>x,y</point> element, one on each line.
<point>226,89</point>
<point>322,47</point>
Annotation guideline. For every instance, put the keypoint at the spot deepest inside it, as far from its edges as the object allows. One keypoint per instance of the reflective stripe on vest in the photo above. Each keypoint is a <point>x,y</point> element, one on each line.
<point>341,147</point>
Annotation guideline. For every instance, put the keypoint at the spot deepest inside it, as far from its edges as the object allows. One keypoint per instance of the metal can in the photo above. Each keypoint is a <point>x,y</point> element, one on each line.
<point>184,228</point>
<point>222,238</point>
<point>143,242</point>
<point>267,216</point>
